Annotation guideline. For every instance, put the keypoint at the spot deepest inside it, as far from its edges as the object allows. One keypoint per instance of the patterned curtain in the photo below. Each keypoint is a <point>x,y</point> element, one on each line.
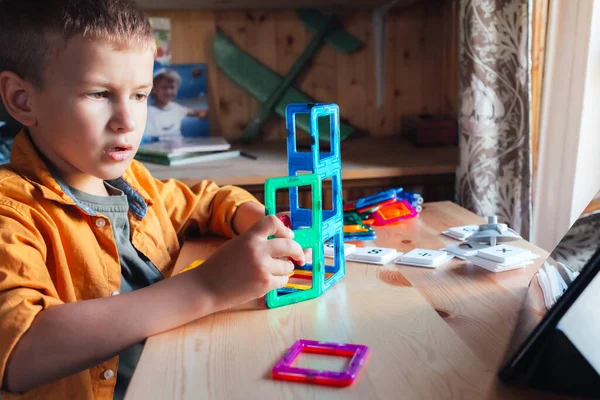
<point>494,173</point>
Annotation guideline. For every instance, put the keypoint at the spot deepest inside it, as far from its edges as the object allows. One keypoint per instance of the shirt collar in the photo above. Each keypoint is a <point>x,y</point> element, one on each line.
<point>26,160</point>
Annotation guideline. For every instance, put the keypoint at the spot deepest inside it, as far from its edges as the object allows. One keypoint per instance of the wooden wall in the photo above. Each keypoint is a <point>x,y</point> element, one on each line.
<point>421,63</point>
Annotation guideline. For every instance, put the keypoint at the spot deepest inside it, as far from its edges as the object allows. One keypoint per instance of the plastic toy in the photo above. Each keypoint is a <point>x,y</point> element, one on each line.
<point>394,212</point>
<point>192,265</point>
<point>283,369</point>
<point>375,199</point>
<point>385,207</point>
<point>413,198</point>
<point>352,218</point>
<point>353,237</point>
<point>356,228</point>
<point>302,274</point>
<point>312,227</point>
<point>350,206</point>
<point>493,233</point>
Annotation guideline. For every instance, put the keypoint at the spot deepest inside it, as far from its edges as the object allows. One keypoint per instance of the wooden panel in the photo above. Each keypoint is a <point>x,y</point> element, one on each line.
<point>321,82</point>
<point>432,47</point>
<point>538,52</point>
<point>450,58</point>
<point>234,103</point>
<point>593,206</point>
<point>420,71</point>
<point>262,44</point>
<point>276,4</point>
<point>409,55</point>
<point>290,44</point>
<point>380,121</point>
<point>352,73</point>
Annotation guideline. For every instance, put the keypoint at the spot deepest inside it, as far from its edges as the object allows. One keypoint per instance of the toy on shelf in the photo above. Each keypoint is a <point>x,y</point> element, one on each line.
<point>284,370</point>
<point>315,226</point>
<point>275,91</point>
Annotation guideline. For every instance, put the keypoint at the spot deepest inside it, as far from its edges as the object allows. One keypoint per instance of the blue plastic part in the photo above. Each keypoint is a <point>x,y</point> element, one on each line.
<point>414,199</point>
<point>370,236</point>
<point>376,198</point>
<point>339,268</point>
<point>327,165</point>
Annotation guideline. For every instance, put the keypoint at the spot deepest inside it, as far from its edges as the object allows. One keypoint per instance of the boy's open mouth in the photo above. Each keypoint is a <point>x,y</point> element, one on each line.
<point>119,148</point>
<point>118,153</point>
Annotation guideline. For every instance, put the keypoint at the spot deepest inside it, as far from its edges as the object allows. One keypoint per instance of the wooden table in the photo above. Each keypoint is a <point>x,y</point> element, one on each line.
<point>433,334</point>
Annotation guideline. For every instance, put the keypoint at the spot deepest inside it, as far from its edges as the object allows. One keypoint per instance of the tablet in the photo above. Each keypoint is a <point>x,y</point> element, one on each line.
<point>555,344</point>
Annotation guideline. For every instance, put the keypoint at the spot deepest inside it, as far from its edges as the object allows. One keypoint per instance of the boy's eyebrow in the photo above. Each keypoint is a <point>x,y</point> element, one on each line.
<point>108,84</point>
<point>144,86</point>
<point>94,83</point>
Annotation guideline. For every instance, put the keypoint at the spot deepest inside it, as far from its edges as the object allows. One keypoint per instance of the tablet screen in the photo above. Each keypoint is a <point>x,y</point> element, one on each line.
<point>569,260</point>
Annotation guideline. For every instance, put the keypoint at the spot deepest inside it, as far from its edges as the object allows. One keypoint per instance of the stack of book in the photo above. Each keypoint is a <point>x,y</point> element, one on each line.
<point>186,151</point>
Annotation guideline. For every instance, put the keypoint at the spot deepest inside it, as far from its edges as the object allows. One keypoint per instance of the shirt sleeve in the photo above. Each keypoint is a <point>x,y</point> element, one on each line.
<point>26,287</point>
<point>180,110</point>
<point>206,205</point>
<point>152,126</point>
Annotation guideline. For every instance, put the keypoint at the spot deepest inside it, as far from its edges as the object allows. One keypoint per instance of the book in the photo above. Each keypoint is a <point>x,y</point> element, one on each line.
<point>184,145</point>
<point>187,158</point>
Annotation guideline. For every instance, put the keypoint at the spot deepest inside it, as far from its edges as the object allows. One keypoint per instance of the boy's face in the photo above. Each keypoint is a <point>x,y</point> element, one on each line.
<point>165,90</point>
<point>91,112</point>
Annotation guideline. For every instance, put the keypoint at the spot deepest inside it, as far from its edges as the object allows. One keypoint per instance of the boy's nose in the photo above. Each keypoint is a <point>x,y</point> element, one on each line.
<point>122,120</point>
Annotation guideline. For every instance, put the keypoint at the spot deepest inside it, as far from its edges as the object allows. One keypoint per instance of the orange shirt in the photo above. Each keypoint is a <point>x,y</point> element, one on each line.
<point>53,251</point>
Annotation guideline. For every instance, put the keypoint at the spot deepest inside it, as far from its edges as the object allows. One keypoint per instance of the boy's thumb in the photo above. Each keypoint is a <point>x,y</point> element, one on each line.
<point>272,226</point>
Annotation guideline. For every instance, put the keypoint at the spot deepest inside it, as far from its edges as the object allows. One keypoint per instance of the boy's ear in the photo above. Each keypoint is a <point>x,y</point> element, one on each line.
<point>17,96</point>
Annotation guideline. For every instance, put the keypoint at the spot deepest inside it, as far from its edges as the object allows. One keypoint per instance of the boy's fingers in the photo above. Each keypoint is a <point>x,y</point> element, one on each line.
<point>281,267</point>
<point>271,225</point>
<point>279,281</point>
<point>286,248</point>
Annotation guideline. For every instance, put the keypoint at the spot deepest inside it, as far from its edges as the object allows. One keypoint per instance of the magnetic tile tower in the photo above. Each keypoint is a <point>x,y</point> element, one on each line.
<point>315,226</point>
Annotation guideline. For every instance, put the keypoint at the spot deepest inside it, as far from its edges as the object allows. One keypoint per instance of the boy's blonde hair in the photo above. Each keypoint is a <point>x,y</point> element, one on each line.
<point>168,74</point>
<point>33,30</point>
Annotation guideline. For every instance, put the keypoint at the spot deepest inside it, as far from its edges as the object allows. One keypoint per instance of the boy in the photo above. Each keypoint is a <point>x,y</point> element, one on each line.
<point>165,115</point>
<point>87,236</point>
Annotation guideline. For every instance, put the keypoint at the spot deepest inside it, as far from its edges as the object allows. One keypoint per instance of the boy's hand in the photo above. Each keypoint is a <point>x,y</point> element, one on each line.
<point>246,216</point>
<point>250,265</point>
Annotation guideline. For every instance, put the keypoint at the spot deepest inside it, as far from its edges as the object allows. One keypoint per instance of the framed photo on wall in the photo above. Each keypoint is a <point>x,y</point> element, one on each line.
<point>178,104</point>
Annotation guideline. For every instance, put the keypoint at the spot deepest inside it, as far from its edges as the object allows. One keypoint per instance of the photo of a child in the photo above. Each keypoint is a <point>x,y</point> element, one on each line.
<point>177,107</point>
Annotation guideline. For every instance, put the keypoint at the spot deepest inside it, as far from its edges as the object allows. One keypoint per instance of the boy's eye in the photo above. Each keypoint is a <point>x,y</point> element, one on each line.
<point>140,96</point>
<point>98,95</point>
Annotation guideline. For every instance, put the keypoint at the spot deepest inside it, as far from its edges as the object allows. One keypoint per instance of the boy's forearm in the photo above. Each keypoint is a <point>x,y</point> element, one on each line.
<point>246,216</point>
<point>69,338</point>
